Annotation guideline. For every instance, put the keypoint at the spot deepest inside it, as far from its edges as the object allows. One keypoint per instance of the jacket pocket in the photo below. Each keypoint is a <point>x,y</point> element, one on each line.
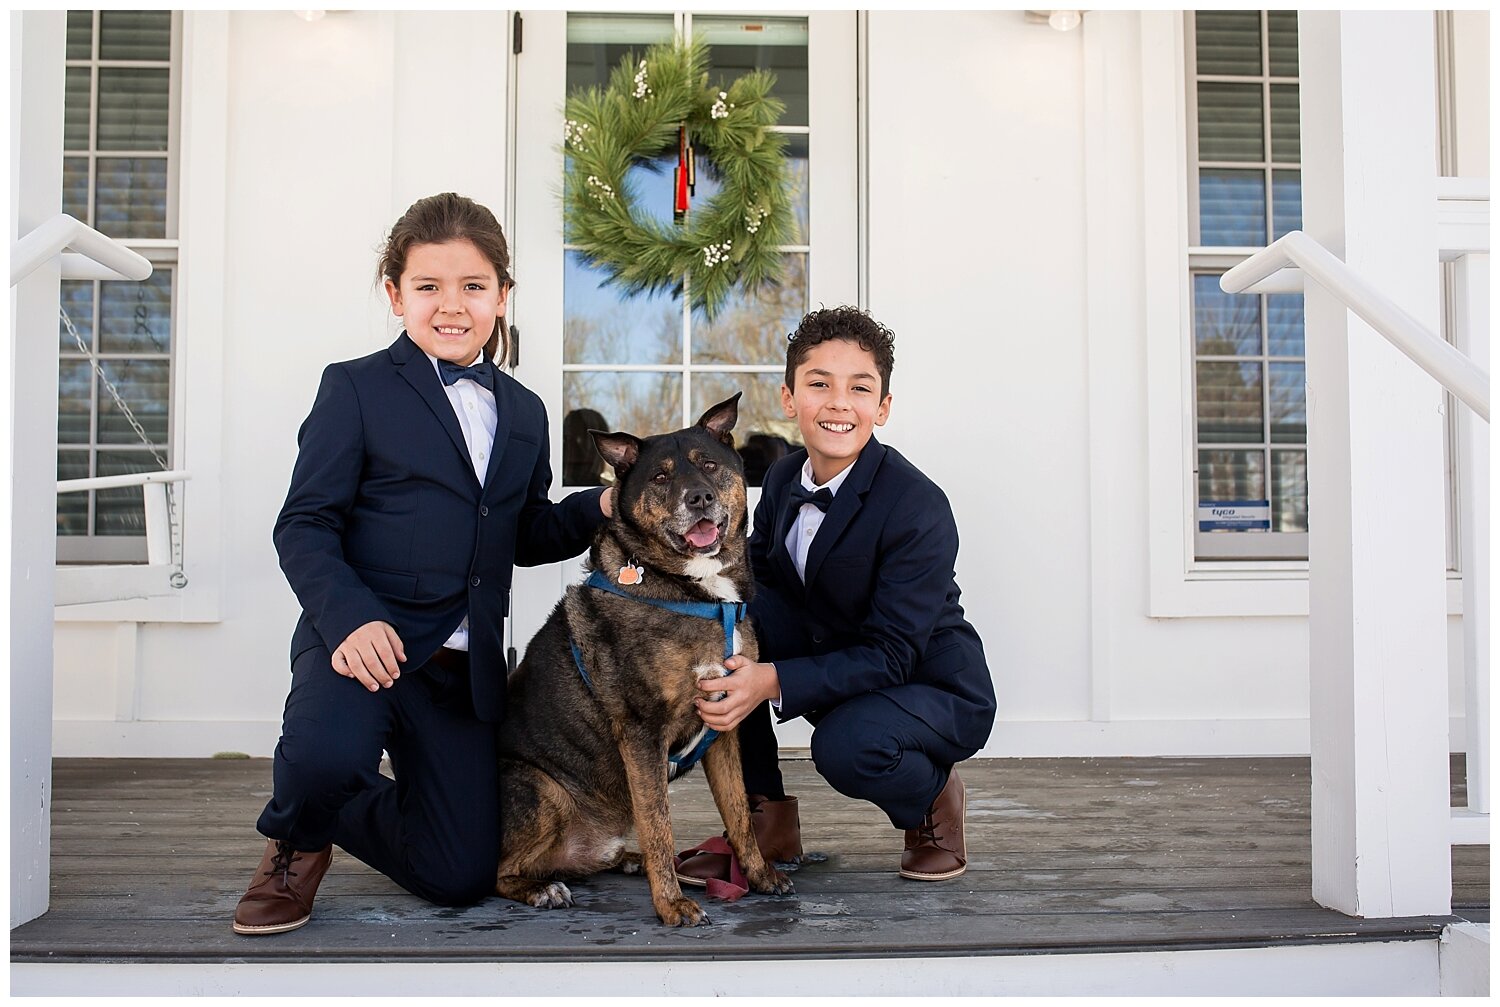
<point>387,582</point>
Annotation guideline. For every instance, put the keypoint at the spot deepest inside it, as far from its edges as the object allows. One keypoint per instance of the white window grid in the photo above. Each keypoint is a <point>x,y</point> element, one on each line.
<point>685,367</point>
<point>164,253</point>
<point>1214,260</point>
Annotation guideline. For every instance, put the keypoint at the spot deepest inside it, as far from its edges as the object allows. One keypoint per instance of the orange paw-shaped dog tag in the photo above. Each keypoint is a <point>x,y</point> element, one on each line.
<point>630,574</point>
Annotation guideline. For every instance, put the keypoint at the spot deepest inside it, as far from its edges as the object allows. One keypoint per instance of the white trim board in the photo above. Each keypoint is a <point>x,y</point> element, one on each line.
<point>146,739</point>
<point>1392,968</point>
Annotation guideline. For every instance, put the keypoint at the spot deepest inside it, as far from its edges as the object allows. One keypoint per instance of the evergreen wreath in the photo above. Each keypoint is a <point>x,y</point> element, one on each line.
<point>731,239</point>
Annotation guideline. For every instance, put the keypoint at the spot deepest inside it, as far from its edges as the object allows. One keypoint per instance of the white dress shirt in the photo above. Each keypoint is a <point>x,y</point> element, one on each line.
<point>474,405</point>
<point>809,519</point>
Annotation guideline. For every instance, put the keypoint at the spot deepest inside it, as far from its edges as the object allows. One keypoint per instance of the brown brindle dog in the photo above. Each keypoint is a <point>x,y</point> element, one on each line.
<point>604,697</point>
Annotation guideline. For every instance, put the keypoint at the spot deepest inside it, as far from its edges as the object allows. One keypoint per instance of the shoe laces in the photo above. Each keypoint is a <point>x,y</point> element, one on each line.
<point>282,860</point>
<point>927,833</point>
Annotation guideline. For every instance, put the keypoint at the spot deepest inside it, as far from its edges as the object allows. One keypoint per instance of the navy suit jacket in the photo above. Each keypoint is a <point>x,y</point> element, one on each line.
<point>386,520</point>
<point>880,609</point>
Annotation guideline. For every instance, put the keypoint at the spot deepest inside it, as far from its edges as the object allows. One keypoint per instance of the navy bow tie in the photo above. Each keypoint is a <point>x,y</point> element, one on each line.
<point>820,499</point>
<point>481,372</point>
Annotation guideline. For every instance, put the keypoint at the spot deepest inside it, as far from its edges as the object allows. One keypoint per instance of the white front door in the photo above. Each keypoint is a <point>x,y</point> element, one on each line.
<point>647,363</point>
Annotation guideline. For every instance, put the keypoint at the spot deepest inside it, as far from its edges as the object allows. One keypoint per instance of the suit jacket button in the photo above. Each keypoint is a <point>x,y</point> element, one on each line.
<point>484,512</point>
<point>473,581</point>
<point>817,638</point>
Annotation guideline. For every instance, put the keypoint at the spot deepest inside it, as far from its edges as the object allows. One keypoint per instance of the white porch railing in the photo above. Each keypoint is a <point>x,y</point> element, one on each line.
<point>82,584</point>
<point>1463,220</point>
<point>1451,368</point>
<point>95,256</point>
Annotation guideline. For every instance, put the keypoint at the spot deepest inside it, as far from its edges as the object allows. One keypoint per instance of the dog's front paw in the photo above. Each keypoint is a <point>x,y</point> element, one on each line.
<point>551,896</point>
<point>772,882</point>
<point>681,912</point>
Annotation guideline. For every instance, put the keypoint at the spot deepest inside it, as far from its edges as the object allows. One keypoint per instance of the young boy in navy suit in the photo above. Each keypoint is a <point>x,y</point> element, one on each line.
<point>857,614</point>
<point>421,477</point>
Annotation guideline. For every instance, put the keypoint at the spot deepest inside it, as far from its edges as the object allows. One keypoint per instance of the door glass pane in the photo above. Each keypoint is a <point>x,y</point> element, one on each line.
<point>1224,325</point>
<point>143,384</point>
<point>604,325</point>
<point>753,328</point>
<point>1229,401</point>
<point>72,508</point>
<point>136,35</point>
<point>738,45</point>
<point>1230,122</point>
<point>1232,206</point>
<point>1289,491</point>
<point>597,43</point>
<point>136,317</point>
<point>1288,403</point>
<point>1228,42</point>
<point>763,434</point>
<point>637,403</point>
<point>130,198</point>
<point>133,108</point>
<point>795,152</point>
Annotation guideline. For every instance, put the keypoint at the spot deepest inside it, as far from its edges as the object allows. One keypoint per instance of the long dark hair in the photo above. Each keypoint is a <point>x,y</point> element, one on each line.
<point>451,217</point>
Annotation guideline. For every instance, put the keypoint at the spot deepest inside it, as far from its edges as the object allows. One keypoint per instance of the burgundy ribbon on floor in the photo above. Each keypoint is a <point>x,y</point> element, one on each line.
<point>729,890</point>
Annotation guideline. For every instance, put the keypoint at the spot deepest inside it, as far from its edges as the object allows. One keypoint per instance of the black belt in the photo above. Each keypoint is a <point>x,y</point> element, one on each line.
<point>450,660</point>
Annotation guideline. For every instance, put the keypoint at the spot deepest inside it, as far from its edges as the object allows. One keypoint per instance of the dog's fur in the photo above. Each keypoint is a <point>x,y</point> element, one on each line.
<point>580,767</point>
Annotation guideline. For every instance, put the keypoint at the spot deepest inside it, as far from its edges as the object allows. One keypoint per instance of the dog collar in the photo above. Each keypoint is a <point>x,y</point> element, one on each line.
<point>728,614</point>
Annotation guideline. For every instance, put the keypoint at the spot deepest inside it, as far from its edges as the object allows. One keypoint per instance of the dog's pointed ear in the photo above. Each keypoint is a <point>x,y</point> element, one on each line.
<point>620,450</point>
<point>720,419</point>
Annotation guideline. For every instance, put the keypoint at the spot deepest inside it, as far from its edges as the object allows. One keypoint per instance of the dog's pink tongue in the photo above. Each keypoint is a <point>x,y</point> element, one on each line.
<point>703,534</point>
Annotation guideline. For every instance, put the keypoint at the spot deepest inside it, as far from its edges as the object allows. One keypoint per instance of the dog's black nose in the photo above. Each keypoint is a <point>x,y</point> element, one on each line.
<point>699,497</point>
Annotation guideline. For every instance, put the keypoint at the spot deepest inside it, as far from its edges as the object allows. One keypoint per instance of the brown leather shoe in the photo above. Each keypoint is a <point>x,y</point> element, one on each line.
<point>778,833</point>
<point>281,894</point>
<point>935,849</point>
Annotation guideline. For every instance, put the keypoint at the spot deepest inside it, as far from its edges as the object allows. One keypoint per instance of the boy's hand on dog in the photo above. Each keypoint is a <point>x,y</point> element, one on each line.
<point>751,684</point>
<point>369,655</point>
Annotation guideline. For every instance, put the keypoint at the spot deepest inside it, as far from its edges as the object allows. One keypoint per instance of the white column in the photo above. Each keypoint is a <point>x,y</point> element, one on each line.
<point>1472,292</point>
<point>36,125</point>
<point>1375,476</point>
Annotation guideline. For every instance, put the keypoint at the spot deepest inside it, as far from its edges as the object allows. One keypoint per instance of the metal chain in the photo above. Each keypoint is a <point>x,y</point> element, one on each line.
<point>179,578</point>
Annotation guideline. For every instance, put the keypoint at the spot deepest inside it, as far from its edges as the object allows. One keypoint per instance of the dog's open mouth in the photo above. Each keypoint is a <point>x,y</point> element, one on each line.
<point>703,535</point>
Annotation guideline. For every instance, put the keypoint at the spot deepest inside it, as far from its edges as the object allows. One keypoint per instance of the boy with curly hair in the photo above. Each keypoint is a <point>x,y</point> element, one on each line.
<point>858,617</point>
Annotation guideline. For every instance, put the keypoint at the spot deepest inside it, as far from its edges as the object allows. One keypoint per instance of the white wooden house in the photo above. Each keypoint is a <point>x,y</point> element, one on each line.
<point>1041,215</point>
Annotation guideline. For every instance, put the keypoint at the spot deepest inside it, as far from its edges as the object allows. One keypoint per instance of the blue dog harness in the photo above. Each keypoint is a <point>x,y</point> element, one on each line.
<point>728,613</point>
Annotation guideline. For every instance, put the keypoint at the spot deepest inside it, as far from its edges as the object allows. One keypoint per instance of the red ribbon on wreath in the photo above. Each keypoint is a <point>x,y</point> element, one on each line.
<point>684,176</point>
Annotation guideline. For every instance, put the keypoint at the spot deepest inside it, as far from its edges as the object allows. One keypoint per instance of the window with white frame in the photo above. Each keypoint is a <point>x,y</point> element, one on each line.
<point>1248,359</point>
<point>633,361</point>
<point>116,343</point>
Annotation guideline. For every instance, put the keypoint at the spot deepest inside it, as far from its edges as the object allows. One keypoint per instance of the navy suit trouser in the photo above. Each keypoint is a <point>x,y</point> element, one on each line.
<point>867,747</point>
<point>435,828</point>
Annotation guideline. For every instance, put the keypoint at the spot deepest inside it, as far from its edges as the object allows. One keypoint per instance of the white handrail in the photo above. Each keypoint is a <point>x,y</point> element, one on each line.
<point>117,482</point>
<point>62,232</point>
<point>1447,365</point>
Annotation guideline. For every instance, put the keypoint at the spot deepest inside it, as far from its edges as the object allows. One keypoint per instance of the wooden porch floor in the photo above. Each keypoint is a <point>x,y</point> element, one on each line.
<point>1065,855</point>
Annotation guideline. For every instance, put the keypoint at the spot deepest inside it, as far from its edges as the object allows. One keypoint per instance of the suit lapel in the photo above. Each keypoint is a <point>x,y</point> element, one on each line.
<point>784,519</point>
<point>420,374</point>
<point>846,503</point>
<point>504,419</point>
